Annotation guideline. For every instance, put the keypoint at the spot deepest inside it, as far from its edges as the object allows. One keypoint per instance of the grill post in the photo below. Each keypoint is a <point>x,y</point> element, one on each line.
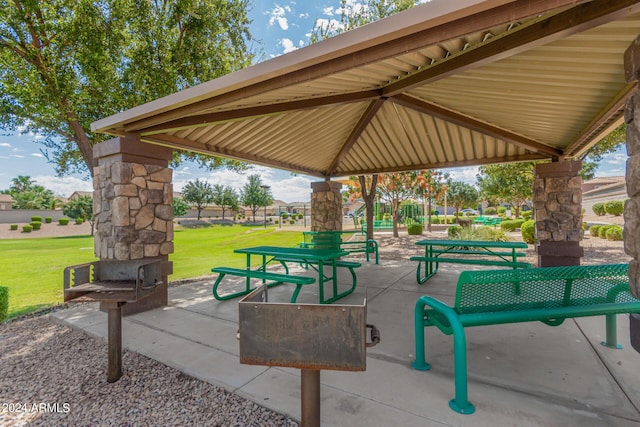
<point>114,366</point>
<point>310,397</point>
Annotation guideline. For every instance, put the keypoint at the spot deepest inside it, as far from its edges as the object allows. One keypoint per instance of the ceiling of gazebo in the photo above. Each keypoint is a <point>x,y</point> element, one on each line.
<point>444,84</point>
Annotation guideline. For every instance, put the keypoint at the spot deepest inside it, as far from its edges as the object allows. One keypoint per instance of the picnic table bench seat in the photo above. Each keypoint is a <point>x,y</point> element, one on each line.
<point>276,279</point>
<point>549,295</point>
<point>352,241</point>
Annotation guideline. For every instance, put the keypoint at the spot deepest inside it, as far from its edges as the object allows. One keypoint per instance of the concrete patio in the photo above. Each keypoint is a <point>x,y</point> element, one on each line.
<point>526,374</point>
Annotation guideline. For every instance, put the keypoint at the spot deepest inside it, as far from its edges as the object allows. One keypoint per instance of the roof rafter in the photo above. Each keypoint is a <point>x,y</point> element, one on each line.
<point>263,110</point>
<point>475,125</point>
<point>577,19</point>
<point>364,121</point>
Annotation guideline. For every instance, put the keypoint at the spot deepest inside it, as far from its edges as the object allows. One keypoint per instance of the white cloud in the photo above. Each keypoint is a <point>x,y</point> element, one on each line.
<point>467,174</point>
<point>17,155</point>
<point>329,24</point>
<point>63,186</point>
<point>5,145</point>
<point>288,45</point>
<point>328,11</point>
<point>278,16</point>
<point>617,159</point>
<point>37,155</point>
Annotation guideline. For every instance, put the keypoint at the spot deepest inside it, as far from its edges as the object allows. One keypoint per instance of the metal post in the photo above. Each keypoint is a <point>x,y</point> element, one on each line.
<point>114,333</point>
<point>310,397</point>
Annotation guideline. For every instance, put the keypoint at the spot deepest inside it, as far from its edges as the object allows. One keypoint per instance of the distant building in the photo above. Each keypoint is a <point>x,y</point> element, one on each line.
<point>77,194</point>
<point>596,183</point>
<point>6,202</point>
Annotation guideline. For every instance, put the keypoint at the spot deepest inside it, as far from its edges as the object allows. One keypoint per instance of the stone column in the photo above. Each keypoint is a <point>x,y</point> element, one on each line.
<point>632,206</point>
<point>557,197</point>
<point>326,206</point>
<point>132,205</point>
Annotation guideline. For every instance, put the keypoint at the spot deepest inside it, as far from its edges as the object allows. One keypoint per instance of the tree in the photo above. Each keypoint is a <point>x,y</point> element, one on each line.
<point>65,64</point>
<point>508,182</point>
<point>180,207</point>
<point>255,195</point>
<point>28,195</point>
<point>80,207</point>
<point>394,188</point>
<point>432,189</point>
<point>461,194</point>
<point>364,187</point>
<point>225,197</point>
<point>199,194</point>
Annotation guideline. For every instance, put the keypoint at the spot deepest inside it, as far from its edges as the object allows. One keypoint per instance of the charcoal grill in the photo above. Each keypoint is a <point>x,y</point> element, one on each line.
<point>113,284</point>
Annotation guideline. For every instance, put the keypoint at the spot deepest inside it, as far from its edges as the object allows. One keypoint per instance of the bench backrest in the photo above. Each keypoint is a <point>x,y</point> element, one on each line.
<point>507,290</point>
<point>322,239</point>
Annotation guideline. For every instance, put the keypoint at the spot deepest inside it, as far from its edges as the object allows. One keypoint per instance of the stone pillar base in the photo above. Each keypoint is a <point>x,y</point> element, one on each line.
<point>556,254</point>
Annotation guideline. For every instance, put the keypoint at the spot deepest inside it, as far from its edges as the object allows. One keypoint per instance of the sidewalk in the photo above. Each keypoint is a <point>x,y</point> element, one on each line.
<point>526,374</point>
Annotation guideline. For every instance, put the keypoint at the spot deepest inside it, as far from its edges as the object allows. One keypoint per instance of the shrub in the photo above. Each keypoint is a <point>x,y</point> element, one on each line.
<point>614,207</point>
<point>594,230</point>
<point>454,231</point>
<point>14,226</point>
<point>598,209</point>
<point>35,225</point>
<point>465,222</point>
<point>491,234</point>
<point>48,220</point>
<point>528,230</point>
<point>386,217</point>
<point>292,221</point>
<point>300,216</point>
<point>79,221</point>
<point>27,228</point>
<point>502,210</point>
<point>4,302</point>
<point>602,233</point>
<point>490,211</point>
<point>511,224</point>
<point>277,222</point>
<point>614,233</point>
<point>527,215</point>
<point>63,221</point>
<point>414,229</point>
<point>36,218</point>
<point>284,215</point>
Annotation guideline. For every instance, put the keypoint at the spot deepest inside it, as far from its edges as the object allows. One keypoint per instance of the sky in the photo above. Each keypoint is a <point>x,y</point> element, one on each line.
<point>278,28</point>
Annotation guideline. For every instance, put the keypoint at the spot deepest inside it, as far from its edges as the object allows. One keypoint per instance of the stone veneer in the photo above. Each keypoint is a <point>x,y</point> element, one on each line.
<point>132,201</point>
<point>557,198</point>
<point>326,206</point>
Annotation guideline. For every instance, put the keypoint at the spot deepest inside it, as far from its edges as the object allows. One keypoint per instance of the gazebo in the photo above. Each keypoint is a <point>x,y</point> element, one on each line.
<point>444,84</point>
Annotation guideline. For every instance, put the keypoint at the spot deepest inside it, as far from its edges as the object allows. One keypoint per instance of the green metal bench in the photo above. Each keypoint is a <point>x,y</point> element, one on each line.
<point>276,278</point>
<point>549,295</point>
<point>352,241</point>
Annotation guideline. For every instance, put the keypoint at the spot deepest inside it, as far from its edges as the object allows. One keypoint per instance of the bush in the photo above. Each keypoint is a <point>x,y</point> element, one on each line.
<point>79,221</point>
<point>35,225</point>
<point>386,217</point>
<point>292,221</point>
<point>598,209</point>
<point>4,302</point>
<point>36,218</point>
<point>528,230</point>
<point>614,207</point>
<point>602,233</point>
<point>300,216</point>
<point>490,211</point>
<point>48,220</point>
<point>511,224</point>
<point>502,210</point>
<point>63,221</point>
<point>284,215</point>
<point>14,226</point>
<point>527,215</point>
<point>27,228</point>
<point>277,222</point>
<point>594,230</point>
<point>465,222</point>
<point>614,233</point>
<point>414,229</point>
<point>454,231</point>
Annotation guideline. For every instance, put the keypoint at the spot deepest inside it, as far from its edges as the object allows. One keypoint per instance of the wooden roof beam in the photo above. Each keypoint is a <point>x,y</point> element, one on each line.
<point>476,125</point>
<point>362,124</point>
<point>577,19</point>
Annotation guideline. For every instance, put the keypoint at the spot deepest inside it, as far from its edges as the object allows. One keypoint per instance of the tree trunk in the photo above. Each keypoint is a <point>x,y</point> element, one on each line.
<point>369,196</point>
<point>394,215</point>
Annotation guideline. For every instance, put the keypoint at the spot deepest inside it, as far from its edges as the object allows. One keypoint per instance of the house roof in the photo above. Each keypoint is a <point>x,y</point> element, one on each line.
<point>443,84</point>
<point>6,198</point>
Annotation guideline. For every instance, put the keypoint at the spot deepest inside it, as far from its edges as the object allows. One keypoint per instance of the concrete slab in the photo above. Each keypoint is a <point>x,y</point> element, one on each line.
<point>525,374</point>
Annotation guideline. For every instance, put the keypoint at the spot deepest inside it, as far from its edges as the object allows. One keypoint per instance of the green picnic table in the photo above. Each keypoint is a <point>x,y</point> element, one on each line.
<point>478,252</point>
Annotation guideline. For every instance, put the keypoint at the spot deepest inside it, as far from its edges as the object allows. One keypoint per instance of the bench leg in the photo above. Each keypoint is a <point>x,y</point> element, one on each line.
<point>429,270</point>
<point>612,332</point>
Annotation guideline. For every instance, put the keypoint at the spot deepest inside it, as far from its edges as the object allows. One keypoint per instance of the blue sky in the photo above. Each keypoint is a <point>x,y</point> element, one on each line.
<point>278,28</point>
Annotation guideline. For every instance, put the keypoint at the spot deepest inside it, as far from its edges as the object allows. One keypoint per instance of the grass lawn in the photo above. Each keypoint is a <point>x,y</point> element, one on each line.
<point>32,269</point>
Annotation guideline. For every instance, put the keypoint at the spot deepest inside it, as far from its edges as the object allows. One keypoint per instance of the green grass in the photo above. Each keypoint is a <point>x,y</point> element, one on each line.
<point>32,269</point>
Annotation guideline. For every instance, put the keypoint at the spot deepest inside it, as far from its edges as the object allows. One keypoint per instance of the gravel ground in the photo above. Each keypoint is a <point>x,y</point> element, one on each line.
<point>51,375</point>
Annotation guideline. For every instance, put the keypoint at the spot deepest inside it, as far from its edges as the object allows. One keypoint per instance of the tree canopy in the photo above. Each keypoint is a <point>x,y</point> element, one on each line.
<point>255,195</point>
<point>461,194</point>
<point>65,64</point>
<point>508,182</point>
<point>28,195</point>
<point>225,197</point>
<point>198,194</point>
<point>80,207</point>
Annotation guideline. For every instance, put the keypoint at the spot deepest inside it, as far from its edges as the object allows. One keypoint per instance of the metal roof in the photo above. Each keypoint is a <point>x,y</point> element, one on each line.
<point>443,84</point>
